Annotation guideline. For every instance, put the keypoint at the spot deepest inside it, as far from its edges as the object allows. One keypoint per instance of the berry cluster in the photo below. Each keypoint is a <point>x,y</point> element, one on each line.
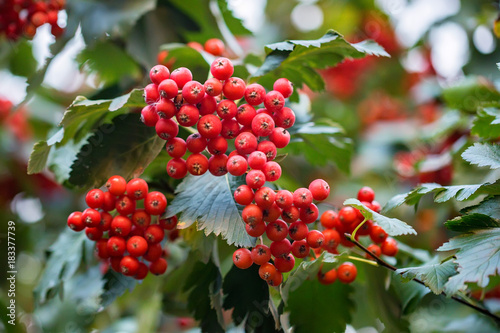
<point>212,107</point>
<point>298,212</point>
<point>22,17</point>
<point>122,231</point>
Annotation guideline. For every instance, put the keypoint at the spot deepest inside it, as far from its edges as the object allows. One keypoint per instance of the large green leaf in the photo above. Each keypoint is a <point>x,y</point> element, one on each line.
<point>487,123</point>
<point>483,155</point>
<point>489,206</point>
<point>443,193</point>
<point>317,308</point>
<point>115,284</point>
<point>125,147</point>
<point>208,200</point>
<point>21,59</point>
<point>297,60</point>
<point>204,283</point>
<point>435,274</point>
<point>471,222</point>
<point>64,259</point>
<point>477,255</point>
<point>392,226</point>
<point>321,144</point>
<point>470,94</point>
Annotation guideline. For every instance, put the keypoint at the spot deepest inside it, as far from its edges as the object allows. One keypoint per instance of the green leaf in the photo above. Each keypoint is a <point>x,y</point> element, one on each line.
<point>477,255</point>
<point>487,123</point>
<point>115,285</point>
<point>64,259</point>
<point>208,200</point>
<point>321,144</point>
<point>297,60</point>
<point>21,59</point>
<point>204,283</point>
<point>409,294</point>
<point>317,308</point>
<point>109,62</point>
<point>125,147</point>
<point>38,158</point>
<point>470,94</point>
<point>483,154</point>
<point>435,274</point>
<point>234,24</point>
<point>392,226</point>
<point>489,206</point>
<point>471,222</point>
<point>250,302</point>
<point>442,193</point>
<point>83,115</point>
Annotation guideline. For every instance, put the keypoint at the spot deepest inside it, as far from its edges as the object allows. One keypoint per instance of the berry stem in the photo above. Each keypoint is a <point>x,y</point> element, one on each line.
<point>355,230</point>
<point>366,261</point>
<point>385,264</point>
<point>312,254</point>
<point>261,240</point>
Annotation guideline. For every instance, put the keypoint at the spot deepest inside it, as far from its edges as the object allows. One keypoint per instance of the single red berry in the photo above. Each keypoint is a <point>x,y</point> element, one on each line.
<point>277,230</point>
<point>177,168</point>
<point>141,218</point>
<point>168,89</point>
<point>154,252</point>
<point>213,86</point>
<point>159,73</point>
<point>137,189</point>
<point>274,101</point>
<point>193,92</point>
<point>209,126</point>
<point>105,223</point>
<point>280,137</point>
<point>260,254</point>
<point>116,246</point>
<point>256,229</point>
<point>155,203</point>
<point>376,206</point>
<point>284,198</point>
<point>121,225</point>
<point>158,267</point>
<point>309,214</point>
<point>222,69</point>
<point>196,143</point>
<point>298,230</point>
<point>347,272</point>
<point>91,217</point>
<point>283,86</point>
<point>272,213</point>
<point>181,76</point>
<point>151,94</point>
<point>226,109</point>
<point>109,201</point>
<point>129,265</point>
<point>245,114</point>
<point>315,239</point>
<point>243,195</point>
<point>255,179</point>
<point>348,215</point>
<point>208,105</point>
<point>176,147</point>
<point>262,124</point>
<point>217,165</point>
<point>214,46</point>
<point>217,145</point>
<point>116,185</point>
<point>264,197</point>
<point>332,239</point>
<point>114,262</point>
<point>169,223</point>
<point>237,165</point>
<point>165,108</point>
<point>320,189</point>
<point>285,263</point>
<point>245,143</point>
<point>242,258</point>
<point>302,197</point>
<point>284,118</point>
<point>267,271</point>
<point>142,271</point>
<point>366,194</point>
<point>233,88</point>
<point>268,148</point>
<point>252,214</point>
<point>154,234</point>
<point>254,94</point>
<point>75,221</point>
<point>256,160</point>
<point>276,280</point>
<point>166,128</point>
<point>136,231</point>
<point>389,247</point>
<point>197,164</point>
<point>377,234</point>
<point>300,249</point>
<point>272,171</point>
<point>280,248</point>
<point>375,249</point>
<point>230,128</point>
<point>327,278</point>
<point>94,198</point>
<point>195,45</point>
<point>93,233</point>
<point>188,115</point>
<point>290,214</point>
<point>329,219</point>
<point>137,246</point>
<point>101,247</point>
<point>149,115</point>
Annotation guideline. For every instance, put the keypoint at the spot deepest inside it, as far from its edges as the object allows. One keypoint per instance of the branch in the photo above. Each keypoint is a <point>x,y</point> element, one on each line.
<point>385,264</point>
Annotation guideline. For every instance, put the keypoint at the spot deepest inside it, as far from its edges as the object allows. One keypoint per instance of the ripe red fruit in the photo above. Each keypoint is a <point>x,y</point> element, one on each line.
<point>159,73</point>
<point>255,229</point>
<point>272,171</point>
<point>181,76</point>
<point>222,69</point>
<point>256,160</point>
<point>193,92</point>
<point>298,230</point>
<point>93,233</point>
<point>101,247</point>
<point>262,124</point>
<point>284,118</point>
<point>327,278</point>
<point>166,128</point>
<point>213,86</point>
<point>300,249</point>
<point>75,221</point>
<point>260,254</point>
<point>115,263</point>
<point>176,147</point>
<point>245,114</point>
<point>272,213</point>
<point>217,145</point>
<point>267,271</point>
<point>141,218</point>
<point>155,203</point>
<point>252,214</point>
<point>348,215</point>
<point>315,239</point>
<point>129,265</point>
<point>277,230</point>
<point>214,46</point>
<point>309,214</point>
<point>168,89</point>
<point>264,197</point>
<point>284,198</point>
<point>276,280</point>
<point>121,225</point>
<point>245,143</point>
<point>149,115</point>
<point>116,246</point>
<point>268,148</point>
<point>137,246</point>
<point>255,179</point>
<point>169,223</point>
<point>375,249</point>
<point>154,252</point>
<point>207,105</point>
<point>283,86</point>
<point>366,194</point>
<point>254,94</point>
<point>230,128</point>
<point>177,168</point>
<point>389,247</point>
<point>320,189</point>
<point>290,214</point>
<point>197,164</point>
<point>137,189</point>
<point>376,206</point>
<point>226,109</point>
<point>328,219</point>
<point>94,198</point>
<point>347,272</point>
<point>151,94</point>
<point>237,165</point>
<point>274,101</point>
<point>243,195</point>
<point>233,88</point>
<point>158,267</point>
<point>116,185</point>
<point>165,108</point>
<point>195,45</point>
<point>280,248</point>
<point>332,239</point>
<point>242,258</point>
<point>91,217</point>
<point>109,201</point>
<point>196,143</point>
<point>217,165</point>
<point>377,234</point>
<point>187,116</point>
<point>302,197</point>
<point>209,126</point>
<point>285,263</point>
<point>142,271</point>
<point>154,234</point>
<point>280,137</point>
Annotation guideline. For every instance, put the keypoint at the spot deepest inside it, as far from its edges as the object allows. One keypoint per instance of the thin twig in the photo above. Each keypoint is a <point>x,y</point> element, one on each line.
<point>385,264</point>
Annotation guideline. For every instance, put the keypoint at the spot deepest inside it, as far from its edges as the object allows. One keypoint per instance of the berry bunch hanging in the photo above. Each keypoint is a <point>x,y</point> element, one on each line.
<point>222,109</point>
<point>126,235</point>
<point>22,17</point>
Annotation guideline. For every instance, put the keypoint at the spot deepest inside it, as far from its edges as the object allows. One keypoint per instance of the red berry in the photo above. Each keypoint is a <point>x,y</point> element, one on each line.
<point>255,179</point>
<point>169,223</point>
<point>213,86</point>
<point>154,234</point>
<point>137,246</point>
<point>262,124</point>
<point>208,105</point>
<point>252,214</point>
<point>309,214</point>
<point>137,189</point>
<point>264,197</point>
<point>105,223</point>
<point>129,265</point>
<point>328,219</point>
<point>376,206</point>
<point>375,249</point>
<point>158,267</point>
<point>300,249</point>
<point>121,225</point>
<point>285,263</point>
<point>242,258</point>
<point>245,143</point>
<point>272,213</point>
<point>284,198</point>
<point>149,115</point>
<point>377,234</point>
<point>277,230</point>
<point>243,195</point>
<point>315,239</point>
<point>94,198</point>
<point>237,165</point>
<point>176,147</point>
<point>217,165</point>
<point>91,217</point>
<point>151,94</point>
<point>230,128</point>
<point>93,233</point>
<point>274,101</point>
<point>181,76</point>
<point>366,194</point>
<point>256,160</point>
<point>389,247</point>
<point>188,115</point>
<point>226,109</point>
<point>245,114</point>
<point>177,168</point>
<point>254,94</point>
<point>155,203</point>
<point>195,45</point>
<point>196,143</point>
<point>272,171</point>
<point>284,118</point>
<point>267,271</point>
<point>159,73</point>
<point>332,239</point>
<point>101,247</point>
<point>217,145</point>
<point>298,230</point>
<point>75,221</point>
<point>280,248</point>
<point>165,108</point>
<point>197,164</point>
<point>280,137</point>
<point>268,148</point>
<point>222,69</point>
<point>193,92</point>
<point>348,215</point>
<point>115,263</point>
<point>320,189</point>
<point>166,128</point>
<point>209,126</point>
<point>283,86</point>
<point>116,185</point>
<point>154,252</point>
<point>214,46</point>
<point>141,218</point>
<point>302,197</point>
<point>168,89</point>
<point>290,214</point>
<point>327,277</point>
<point>109,201</point>
<point>347,272</point>
<point>116,246</point>
<point>261,254</point>
<point>233,88</point>
<point>142,271</point>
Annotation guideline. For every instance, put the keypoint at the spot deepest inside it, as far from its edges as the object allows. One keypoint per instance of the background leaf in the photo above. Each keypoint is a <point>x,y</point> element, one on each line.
<point>487,123</point>
<point>471,222</point>
<point>435,274</point>
<point>470,94</point>
<point>483,155</point>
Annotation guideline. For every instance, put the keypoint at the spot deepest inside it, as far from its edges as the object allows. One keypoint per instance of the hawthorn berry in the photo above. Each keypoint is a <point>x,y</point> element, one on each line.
<point>187,116</point>
<point>389,247</point>
<point>94,198</point>
<point>283,86</point>
<point>366,194</point>
<point>244,194</point>
<point>284,263</point>
<point>260,254</point>
<point>129,265</point>
<point>222,69</point>
<point>137,189</point>
<point>166,128</point>
<point>181,76</point>
<point>155,203</point>
<point>277,230</point>
<point>346,272</point>
<point>193,92</point>
<point>213,86</point>
<point>158,266</point>
<point>177,168</point>
<point>300,249</point>
<point>242,258</point>
<point>75,221</point>
<point>197,164</point>
<point>137,246</point>
<point>209,126</point>
<point>116,185</point>
<point>254,94</point>
<point>320,189</point>
<point>233,88</point>
<point>237,165</point>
